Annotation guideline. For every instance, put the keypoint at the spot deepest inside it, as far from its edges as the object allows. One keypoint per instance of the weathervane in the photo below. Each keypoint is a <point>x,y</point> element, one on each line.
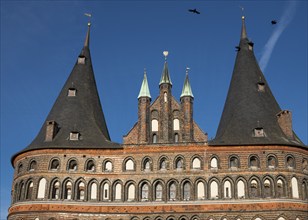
<point>89,16</point>
<point>165,54</point>
<point>242,9</point>
<point>187,68</point>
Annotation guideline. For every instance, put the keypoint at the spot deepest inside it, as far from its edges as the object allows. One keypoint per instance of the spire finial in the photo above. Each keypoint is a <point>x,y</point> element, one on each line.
<point>89,16</point>
<point>166,54</point>
<point>243,33</point>
<point>187,68</point>
<point>86,42</point>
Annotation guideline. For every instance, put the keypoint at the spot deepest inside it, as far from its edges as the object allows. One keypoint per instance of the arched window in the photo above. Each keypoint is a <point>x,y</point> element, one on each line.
<point>72,165</point>
<point>176,124</point>
<point>196,163</point>
<point>234,162</point>
<point>154,125</point>
<point>106,191</point>
<point>20,166</point>
<point>55,164</point>
<point>108,166</point>
<point>227,189</point>
<point>187,191</point>
<point>214,190</point>
<point>290,162</point>
<point>214,163</point>
<point>118,192</point>
<point>165,97</point>
<point>131,192</point>
<point>33,165</point>
<point>179,163</point>
<point>172,191</point>
<point>281,218</point>
<point>154,138</point>
<point>80,191</point>
<point>280,189</point>
<point>55,190</point>
<point>129,165</point>
<point>90,166</point>
<point>254,189</point>
<point>176,138</point>
<point>163,164</point>
<point>294,185</point>
<point>41,188</point>
<point>271,162</point>
<point>21,191</point>
<point>240,189</point>
<point>93,191</point>
<point>200,191</point>
<point>147,164</point>
<point>145,192</point>
<point>29,190</point>
<point>254,162</point>
<point>68,190</point>
<point>267,188</point>
<point>158,192</point>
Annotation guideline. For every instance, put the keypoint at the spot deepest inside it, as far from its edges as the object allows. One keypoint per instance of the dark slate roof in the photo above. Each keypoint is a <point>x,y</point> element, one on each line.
<point>246,108</point>
<point>82,113</point>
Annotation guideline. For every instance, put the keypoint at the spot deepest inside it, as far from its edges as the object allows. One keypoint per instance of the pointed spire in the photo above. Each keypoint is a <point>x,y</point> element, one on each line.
<point>144,90</point>
<point>243,32</point>
<point>87,40</point>
<point>165,77</point>
<point>187,91</point>
<point>250,112</point>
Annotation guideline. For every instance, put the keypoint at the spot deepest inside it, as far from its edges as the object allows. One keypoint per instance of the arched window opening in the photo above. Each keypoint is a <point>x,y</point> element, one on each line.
<point>234,163</point>
<point>187,191</point>
<point>129,165</point>
<point>159,192</point>
<point>214,163</point>
<point>41,189</point>
<point>21,191</point>
<point>90,166</point>
<point>33,165</point>
<point>20,166</point>
<point>179,164</point>
<point>172,192</point>
<point>227,190</point>
<point>154,138</point>
<point>29,190</point>
<point>200,191</point>
<point>290,162</point>
<point>147,164</point>
<point>254,162</point>
<point>165,97</point>
<point>294,185</point>
<point>176,138</point>
<point>271,162</point>
<point>72,165</point>
<point>81,191</point>
<point>55,191</point>
<point>118,192</point>
<point>131,192</point>
<point>196,163</point>
<point>145,192</point>
<point>176,124</point>
<point>163,164</point>
<point>68,190</point>
<point>106,191</point>
<point>154,125</point>
<point>267,188</point>
<point>240,189</point>
<point>254,189</point>
<point>214,190</point>
<point>108,166</point>
<point>55,164</point>
<point>93,191</point>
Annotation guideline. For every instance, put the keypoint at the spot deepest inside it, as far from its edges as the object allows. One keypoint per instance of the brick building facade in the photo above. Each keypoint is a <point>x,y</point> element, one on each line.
<point>256,168</point>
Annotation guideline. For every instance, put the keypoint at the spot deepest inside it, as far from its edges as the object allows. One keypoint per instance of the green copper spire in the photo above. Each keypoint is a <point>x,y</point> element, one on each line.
<point>165,77</point>
<point>144,90</point>
<point>186,91</point>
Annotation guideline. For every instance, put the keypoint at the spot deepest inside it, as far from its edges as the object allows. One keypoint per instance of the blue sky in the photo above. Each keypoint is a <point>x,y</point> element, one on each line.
<point>40,41</point>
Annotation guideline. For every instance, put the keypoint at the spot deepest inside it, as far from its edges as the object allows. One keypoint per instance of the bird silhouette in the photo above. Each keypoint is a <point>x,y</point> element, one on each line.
<point>273,22</point>
<point>194,11</point>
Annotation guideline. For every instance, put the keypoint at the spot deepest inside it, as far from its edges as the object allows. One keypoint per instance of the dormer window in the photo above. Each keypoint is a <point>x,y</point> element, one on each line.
<point>74,136</point>
<point>258,132</point>
<point>261,86</point>
<point>250,45</point>
<point>81,60</point>
<point>71,92</point>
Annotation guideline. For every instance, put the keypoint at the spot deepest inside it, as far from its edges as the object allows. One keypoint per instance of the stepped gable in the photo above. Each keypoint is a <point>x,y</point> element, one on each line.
<point>76,119</point>
<point>251,114</point>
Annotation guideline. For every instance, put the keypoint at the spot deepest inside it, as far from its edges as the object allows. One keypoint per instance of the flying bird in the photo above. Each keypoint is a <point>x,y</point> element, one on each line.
<point>194,11</point>
<point>273,22</point>
<point>237,48</point>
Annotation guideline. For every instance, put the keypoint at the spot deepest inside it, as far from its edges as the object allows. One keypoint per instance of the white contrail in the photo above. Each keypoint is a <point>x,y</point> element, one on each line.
<point>281,25</point>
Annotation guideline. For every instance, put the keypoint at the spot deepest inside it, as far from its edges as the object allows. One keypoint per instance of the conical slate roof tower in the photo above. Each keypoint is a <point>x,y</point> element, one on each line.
<point>251,114</point>
<point>76,119</point>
